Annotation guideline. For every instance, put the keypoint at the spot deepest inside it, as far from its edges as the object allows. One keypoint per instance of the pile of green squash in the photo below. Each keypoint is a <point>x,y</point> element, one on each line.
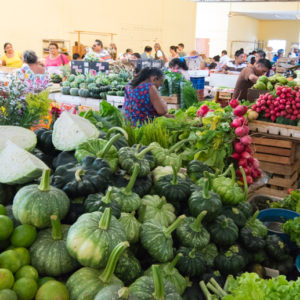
<point>97,226</point>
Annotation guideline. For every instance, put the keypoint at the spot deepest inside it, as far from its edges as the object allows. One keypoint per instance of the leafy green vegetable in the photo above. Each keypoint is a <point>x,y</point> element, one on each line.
<point>189,95</point>
<point>291,201</point>
<point>292,227</point>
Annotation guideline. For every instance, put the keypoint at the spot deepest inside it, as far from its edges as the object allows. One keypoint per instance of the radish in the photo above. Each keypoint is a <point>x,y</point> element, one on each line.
<point>246,140</point>
<point>243,162</point>
<point>255,163</point>
<point>202,111</point>
<point>234,103</point>
<point>239,147</point>
<point>245,155</point>
<point>250,160</point>
<point>240,110</point>
<point>249,179</point>
<point>248,149</point>
<point>236,123</point>
<point>235,155</point>
<point>241,131</point>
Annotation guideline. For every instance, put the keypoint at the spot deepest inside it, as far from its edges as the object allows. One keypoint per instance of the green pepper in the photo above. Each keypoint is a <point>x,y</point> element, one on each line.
<point>228,189</point>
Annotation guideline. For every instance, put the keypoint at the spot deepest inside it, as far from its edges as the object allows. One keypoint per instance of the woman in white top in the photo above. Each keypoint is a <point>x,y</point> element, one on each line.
<point>173,52</point>
<point>159,54</point>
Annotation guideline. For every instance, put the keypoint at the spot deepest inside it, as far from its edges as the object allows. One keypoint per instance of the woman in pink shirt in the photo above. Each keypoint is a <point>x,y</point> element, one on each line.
<point>54,59</point>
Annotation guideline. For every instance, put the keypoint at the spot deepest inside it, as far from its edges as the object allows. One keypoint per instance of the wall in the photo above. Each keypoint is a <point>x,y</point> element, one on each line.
<point>136,23</point>
<point>280,30</point>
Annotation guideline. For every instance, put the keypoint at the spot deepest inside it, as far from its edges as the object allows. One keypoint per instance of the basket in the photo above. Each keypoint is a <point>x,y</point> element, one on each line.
<point>198,82</point>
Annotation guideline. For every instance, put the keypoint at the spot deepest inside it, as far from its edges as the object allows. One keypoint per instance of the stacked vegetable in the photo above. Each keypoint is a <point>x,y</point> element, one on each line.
<point>271,83</point>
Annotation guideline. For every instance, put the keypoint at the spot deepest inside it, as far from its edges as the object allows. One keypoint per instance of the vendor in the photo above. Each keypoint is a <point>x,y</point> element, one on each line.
<point>179,65</point>
<point>249,76</point>
<point>236,65</point>
<point>142,100</point>
<point>11,58</point>
<point>100,52</point>
<point>55,59</point>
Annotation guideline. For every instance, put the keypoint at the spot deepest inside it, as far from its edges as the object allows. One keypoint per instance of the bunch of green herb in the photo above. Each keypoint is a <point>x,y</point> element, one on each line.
<point>291,201</point>
<point>189,95</point>
<point>292,228</point>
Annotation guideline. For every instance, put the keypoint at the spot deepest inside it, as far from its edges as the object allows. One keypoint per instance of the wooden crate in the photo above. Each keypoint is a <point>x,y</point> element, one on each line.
<point>225,95</point>
<point>278,130</point>
<point>172,100</point>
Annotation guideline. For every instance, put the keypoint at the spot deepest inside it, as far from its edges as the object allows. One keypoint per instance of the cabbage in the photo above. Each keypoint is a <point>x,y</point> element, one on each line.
<point>18,166</point>
<point>71,130</point>
<point>20,136</point>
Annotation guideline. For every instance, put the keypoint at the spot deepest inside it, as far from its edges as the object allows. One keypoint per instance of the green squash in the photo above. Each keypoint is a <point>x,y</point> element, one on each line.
<point>155,208</point>
<point>98,202</point>
<point>258,227</point>
<point>131,226</point>
<point>128,267</point>
<point>196,168</point>
<point>52,290</point>
<point>91,176</point>
<point>128,157</point>
<point>251,241</point>
<point>83,92</point>
<point>44,140</point>
<point>65,90</point>
<point>64,158</point>
<point>86,283</point>
<point>235,214</point>
<point>223,231</point>
<point>34,204</point>
<point>125,197</point>
<point>246,208</point>
<point>154,288</point>
<point>115,292</point>
<point>74,91</point>
<point>276,248</point>
<point>49,254</point>
<point>92,238</point>
<point>171,274</point>
<point>230,262</point>
<point>191,232</point>
<point>191,263</point>
<point>209,252</point>
<point>202,199</point>
<point>157,240</point>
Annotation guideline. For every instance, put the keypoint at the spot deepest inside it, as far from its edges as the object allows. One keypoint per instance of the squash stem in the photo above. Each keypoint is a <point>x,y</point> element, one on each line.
<point>143,152</point>
<point>56,228</point>
<point>245,183</point>
<point>112,262</point>
<point>196,225</point>
<point>177,146</point>
<point>105,219</point>
<point>107,198</point>
<point>79,172</point>
<point>45,181</point>
<point>192,253</point>
<point>226,171</point>
<point>123,293</point>
<point>168,231</point>
<point>174,262</point>
<point>162,202</point>
<point>119,129</point>
<point>206,188</point>
<point>132,180</point>
<point>233,177</point>
<point>159,289</point>
<point>108,145</point>
<point>205,290</point>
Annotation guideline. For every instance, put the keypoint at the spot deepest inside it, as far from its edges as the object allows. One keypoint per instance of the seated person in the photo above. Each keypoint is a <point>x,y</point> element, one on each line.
<point>11,58</point>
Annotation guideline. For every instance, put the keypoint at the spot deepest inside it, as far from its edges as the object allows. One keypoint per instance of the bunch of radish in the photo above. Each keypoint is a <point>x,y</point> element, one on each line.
<point>242,151</point>
<point>285,104</point>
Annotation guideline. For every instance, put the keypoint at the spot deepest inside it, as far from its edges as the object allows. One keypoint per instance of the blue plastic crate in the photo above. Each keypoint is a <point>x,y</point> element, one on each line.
<point>198,82</point>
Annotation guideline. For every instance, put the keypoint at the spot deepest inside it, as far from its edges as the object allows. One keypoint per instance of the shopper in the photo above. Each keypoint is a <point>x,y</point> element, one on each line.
<point>127,55</point>
<point>159,54</point>
<point>215,65</point>
<point>147,53</point>
<point>135,56</point>
<point>224,58</point>
<point>179,65</point>
<point>181,50</point>
<point>278,55</point>
<point>249,76</point>
<point>100,52</point>
<point>11,58</point>
<point>236,65</point>
<point>173,53</point>
<point>142,100</point>
<point>260,55</point>
<point>55,59</point>
<point>33,73</point>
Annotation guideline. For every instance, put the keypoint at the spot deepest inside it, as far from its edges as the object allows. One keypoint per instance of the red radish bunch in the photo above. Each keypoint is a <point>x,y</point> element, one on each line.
<point>285,104</point>
<point>242,152</point>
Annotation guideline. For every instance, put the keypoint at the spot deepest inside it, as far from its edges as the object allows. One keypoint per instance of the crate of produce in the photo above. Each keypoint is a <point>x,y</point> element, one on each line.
<point>171,99</point>
<point>278,159</point>
<point>225,95</point>
<point>274,129</point>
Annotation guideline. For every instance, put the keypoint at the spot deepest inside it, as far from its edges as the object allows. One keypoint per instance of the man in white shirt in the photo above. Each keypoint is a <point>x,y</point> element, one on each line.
<point>224,58</point>
<point>100,52</point>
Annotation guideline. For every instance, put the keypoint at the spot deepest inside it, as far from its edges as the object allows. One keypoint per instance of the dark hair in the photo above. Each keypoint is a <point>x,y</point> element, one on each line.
<point>238,53</point>
<point>99,43</point>
<point>148,49</point>
<point>174,48</point>
<point>145,74</point>
<point>128,50</point>
<point>216,58</point>
<point>252,60</point>
<point>76,56</point>
<point>212,66</point>
<point>181,45</point>
<point>261,53</point>
<point>224,52</point>
<point>242,49</point>
<point>53,44</point>
<point>30,57</point>
<point>137,55</point>
<point>265,62</point>
<point>180,62</point>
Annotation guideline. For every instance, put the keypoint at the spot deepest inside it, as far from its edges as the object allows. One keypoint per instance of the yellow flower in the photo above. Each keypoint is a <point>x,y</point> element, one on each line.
<point>26,76</point>
<point>3,110</point>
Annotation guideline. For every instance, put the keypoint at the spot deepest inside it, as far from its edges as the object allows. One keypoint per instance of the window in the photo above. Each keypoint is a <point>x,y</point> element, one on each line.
<point>277,44</point>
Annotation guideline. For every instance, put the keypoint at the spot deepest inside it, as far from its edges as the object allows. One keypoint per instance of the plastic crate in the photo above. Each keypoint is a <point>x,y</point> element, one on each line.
<point>198,82</point>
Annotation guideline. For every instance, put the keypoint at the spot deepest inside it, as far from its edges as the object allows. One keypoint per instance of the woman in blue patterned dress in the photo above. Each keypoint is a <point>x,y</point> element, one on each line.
<point>142,100</point>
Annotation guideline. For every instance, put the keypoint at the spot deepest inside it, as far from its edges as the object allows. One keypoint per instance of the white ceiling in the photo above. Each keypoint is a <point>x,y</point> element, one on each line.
<point>275,15</point>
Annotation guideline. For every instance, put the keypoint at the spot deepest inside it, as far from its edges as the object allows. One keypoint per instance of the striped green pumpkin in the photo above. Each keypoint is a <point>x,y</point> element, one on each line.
<point>34,204</point>
<point>49,254</point>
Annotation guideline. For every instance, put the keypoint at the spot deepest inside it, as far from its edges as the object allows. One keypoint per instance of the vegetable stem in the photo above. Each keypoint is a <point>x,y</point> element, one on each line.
<point>56,228</point>
<point>196,225</point>
<point>119,129</point>
<point>162,202</point>
<point>245,183</point>
<point>168,231</point>
<point>206,188</point>
<point>45,181</point>
<point>218,287</point>
<point>79,172</point>
<point>112,262</point>
<point>133,177</point>
<point>175,175</point>
<point>123,293</point>
<point>108,145</point>
<point>159,290</point>
<point>107,198</point>
<point>175,260</point>
<point>214,290</point>
<point>205,290</point>
<point>143,152</point>
<point>177,146</point>
<point>233,177</point>
<point>104,222</point>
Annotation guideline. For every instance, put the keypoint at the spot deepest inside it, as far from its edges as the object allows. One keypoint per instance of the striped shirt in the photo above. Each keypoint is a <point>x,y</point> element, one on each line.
<point>231,66</point>
<point>103,55</point>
